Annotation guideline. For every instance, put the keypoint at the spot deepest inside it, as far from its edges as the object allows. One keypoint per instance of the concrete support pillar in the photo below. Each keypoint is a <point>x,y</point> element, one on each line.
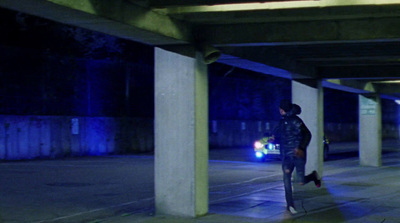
<point>310,97</point>
<point>370,130</point>
<point>181,135</point>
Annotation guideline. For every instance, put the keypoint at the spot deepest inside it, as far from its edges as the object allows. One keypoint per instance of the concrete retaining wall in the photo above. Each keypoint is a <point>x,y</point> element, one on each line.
<point>236,133</point>
<point>29,137</point>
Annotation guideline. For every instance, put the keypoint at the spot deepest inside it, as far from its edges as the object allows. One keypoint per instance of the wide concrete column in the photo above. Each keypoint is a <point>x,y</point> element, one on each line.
<point>181,135</point>
<point>310,97</point>
<point>370,130</point>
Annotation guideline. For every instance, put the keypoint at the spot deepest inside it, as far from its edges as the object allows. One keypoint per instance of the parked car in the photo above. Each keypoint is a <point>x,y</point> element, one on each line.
<point>264,149</point>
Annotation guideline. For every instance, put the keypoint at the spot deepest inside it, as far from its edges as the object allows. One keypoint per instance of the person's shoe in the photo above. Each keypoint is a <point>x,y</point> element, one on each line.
<point>292,210</point>
<point>317,181</point>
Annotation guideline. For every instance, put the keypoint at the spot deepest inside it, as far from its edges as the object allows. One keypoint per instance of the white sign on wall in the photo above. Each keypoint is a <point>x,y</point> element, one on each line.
<point>75,126</point>
<point>368,106</point>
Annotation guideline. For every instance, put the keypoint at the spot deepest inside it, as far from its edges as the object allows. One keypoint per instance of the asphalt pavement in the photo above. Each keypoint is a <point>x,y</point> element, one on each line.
<point>120,189</point>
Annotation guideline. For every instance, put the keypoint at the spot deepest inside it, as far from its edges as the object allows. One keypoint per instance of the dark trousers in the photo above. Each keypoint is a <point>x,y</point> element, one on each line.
<point>288,165</point>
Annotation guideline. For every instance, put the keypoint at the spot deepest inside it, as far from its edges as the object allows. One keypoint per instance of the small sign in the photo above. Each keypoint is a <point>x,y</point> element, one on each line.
<point>75,126</point>
<point>267,126</point>
<point>368,106</point>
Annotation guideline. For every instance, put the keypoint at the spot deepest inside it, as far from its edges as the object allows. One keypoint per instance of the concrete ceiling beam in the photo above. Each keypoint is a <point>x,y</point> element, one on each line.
<point>286,15</point>
<point>360,72</point>
<point>354,86</point>
<point>388,91</point>
<point>387,88</point>
<point>118,17</point>
<point>273,58</point>
<point>375,29</point>
<point>177,3</point>
<point>195,6</point>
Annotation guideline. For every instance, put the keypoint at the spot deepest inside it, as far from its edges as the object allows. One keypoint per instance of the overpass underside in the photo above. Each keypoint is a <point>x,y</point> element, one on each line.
<point>350,45</point>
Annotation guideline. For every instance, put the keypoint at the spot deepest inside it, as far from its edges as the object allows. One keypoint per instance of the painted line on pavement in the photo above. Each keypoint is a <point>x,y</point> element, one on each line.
<point>94,210</point>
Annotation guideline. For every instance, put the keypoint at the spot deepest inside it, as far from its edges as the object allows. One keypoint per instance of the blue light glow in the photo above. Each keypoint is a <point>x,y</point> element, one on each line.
<point>271,146</point>
<point>259,154</point>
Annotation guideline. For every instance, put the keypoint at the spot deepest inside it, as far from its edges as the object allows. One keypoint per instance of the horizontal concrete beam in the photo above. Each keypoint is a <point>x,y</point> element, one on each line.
<point>387,91</point>
<point>272,58</point>
<point>285,15</point>
<point>301,31</point>
<point>372,72</point>
<point>202,6</point>
<point>387,88</point>
<point>254,66</point>
<point>169,3</point>
<point>118,17</point>
<point>354,86</point>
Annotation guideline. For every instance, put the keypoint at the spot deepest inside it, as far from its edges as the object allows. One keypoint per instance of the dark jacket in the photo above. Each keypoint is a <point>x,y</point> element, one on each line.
<point>292,133</point>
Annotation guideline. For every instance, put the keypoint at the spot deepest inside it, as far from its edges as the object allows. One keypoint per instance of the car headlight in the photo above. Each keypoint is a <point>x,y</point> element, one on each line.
<point>271,146</point>
<point>258,145</point>
<point>259,154</point>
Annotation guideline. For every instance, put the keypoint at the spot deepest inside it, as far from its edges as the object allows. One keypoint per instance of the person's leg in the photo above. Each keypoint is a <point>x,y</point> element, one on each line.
<point>313,177</point>
<point>287,168</point>
<point>310,177</point>
<point>300,164</point>
<point>300,169</point>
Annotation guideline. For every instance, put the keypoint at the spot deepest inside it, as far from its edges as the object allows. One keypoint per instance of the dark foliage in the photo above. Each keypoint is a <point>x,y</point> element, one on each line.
<point>47,68</point>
